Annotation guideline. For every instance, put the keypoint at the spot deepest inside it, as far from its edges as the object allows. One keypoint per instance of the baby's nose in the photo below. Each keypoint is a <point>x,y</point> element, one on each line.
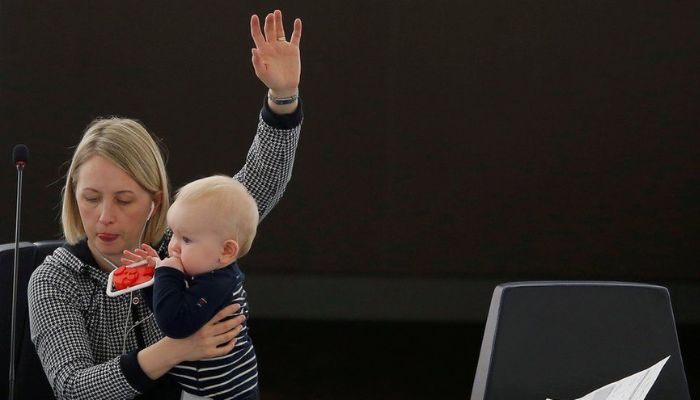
<point>173,248</point>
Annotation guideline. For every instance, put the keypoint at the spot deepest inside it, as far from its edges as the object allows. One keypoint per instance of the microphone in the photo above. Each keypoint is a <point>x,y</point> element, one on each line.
<point>20,155</point>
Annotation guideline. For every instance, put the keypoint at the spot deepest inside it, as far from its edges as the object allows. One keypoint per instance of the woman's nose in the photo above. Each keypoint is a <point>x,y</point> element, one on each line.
<point>106,213</point>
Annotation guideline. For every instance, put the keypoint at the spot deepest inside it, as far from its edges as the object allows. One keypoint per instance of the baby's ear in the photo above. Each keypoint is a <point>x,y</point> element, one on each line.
<point>230,252</point>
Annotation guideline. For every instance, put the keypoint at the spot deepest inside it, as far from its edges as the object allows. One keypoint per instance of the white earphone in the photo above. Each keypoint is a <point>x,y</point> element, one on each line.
<point>150,213</point>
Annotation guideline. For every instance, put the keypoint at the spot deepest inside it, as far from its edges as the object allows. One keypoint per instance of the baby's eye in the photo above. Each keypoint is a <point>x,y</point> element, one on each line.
<point>186,240</point>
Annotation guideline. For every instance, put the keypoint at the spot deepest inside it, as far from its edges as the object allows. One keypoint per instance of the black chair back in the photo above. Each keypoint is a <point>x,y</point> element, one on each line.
<point>563,340</point>
<point>30,381</point>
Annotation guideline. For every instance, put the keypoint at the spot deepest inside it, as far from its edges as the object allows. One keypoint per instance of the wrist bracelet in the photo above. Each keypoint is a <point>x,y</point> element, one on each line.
<point>281,101</point>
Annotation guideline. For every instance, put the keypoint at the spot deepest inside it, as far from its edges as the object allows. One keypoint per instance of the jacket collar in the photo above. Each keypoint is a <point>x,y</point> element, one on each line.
<point>86,262</point>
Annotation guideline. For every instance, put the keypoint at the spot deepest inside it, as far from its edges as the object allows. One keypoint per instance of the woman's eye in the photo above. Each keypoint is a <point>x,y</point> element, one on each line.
<point>91,199</point>
<point>124,202</point>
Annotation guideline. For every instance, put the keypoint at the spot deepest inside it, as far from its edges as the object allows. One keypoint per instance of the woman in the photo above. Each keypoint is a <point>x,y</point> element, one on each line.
<point>116,196</point>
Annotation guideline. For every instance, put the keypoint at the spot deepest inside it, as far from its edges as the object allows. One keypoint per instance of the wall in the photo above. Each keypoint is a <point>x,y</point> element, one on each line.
<point>479,139</point>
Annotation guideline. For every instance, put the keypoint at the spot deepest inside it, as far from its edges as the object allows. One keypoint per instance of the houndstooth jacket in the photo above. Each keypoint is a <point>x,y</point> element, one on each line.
<point>79,332</point>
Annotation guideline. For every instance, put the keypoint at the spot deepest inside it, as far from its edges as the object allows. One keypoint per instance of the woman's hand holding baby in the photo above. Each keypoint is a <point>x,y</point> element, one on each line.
<point>217,337</point>
<point>214,339</point>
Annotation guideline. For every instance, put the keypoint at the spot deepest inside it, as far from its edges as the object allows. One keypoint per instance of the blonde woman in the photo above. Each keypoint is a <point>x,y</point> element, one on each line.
<point>116,196</point>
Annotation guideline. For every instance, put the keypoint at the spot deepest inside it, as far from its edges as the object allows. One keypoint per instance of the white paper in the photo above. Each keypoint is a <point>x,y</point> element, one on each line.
<point>634,387</point>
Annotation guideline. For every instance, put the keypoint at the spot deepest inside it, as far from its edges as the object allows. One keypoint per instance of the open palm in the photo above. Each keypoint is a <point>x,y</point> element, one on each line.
<point>277,62</point>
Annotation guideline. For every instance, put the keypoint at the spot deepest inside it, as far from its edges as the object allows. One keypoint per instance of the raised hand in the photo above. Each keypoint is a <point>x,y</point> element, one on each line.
<point>277,62</point>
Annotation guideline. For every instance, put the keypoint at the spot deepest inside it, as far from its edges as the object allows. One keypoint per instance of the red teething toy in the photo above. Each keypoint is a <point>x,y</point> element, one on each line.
<point>127,277</point>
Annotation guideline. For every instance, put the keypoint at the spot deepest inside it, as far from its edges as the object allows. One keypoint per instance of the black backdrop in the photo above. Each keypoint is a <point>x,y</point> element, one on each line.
<point>548,139</point>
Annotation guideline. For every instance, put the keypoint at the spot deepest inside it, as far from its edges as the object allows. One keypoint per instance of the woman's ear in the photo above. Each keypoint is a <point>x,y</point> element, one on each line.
<point>157,200</point>
<point>230,252</point>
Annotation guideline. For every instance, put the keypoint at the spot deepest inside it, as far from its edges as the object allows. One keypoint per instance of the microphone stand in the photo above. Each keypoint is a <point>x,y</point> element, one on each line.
<point>20,168</point>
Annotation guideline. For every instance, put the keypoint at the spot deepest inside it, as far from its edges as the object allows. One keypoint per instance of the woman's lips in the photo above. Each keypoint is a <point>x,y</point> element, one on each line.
<point>107,237</point>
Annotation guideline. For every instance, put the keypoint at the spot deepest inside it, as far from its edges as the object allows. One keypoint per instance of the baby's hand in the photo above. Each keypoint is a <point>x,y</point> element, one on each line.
<point>146,252</point>
<point>173,262</point>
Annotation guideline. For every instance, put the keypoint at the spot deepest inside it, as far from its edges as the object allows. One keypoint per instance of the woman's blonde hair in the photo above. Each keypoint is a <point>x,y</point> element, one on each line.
<point>127,144</point>
<point>235,209</point>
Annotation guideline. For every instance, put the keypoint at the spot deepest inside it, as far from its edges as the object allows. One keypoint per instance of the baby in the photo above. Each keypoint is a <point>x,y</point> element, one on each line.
<point>213,222</point>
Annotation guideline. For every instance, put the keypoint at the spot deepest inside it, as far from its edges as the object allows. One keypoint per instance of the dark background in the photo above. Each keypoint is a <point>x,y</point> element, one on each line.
<point>451,140</point>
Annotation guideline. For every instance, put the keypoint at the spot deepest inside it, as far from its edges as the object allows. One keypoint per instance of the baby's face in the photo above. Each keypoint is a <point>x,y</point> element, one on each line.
<point>195,240</point>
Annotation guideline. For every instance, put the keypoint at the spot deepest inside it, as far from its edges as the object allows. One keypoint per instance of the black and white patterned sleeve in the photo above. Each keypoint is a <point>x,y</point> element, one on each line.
<point>268,166</point>
<point>61,339</point>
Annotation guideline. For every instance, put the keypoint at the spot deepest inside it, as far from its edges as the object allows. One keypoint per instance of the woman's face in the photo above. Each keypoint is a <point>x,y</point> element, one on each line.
<point>113,208</point>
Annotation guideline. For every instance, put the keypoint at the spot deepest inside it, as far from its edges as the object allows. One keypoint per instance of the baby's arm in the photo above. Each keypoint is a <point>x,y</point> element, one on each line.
<point>180,310</point>
<point>150,255</point>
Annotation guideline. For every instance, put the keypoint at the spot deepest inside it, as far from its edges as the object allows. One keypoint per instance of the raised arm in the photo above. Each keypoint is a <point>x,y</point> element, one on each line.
<point>277,63</point>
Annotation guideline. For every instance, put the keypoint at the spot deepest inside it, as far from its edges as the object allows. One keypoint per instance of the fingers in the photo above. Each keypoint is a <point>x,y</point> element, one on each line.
<point>228,347</point>
<point>274,30</point>
<point>140,253</point>
<point>226,312</point>
<point>255,31</point>
<point>215,346</point>
<point>220,337</point>
<point>258,63</point>
<point>279,26</point>
<point>229,338</point>
<point>222,328</point>
<point>131,256</point>
<point>223,344</point>
<point>149,250</point>
<point>147,256</point>
<point>296,35</point>
<point>131,261</point>
<point>229,335</point>
<point>270,28</point>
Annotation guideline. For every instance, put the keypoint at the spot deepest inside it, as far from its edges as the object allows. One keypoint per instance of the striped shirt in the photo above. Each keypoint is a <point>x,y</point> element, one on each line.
<point>184,304</point>
<point>88,342</point>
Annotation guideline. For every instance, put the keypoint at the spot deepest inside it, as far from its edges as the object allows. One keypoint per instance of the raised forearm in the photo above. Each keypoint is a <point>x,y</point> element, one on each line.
<point>270,159</point>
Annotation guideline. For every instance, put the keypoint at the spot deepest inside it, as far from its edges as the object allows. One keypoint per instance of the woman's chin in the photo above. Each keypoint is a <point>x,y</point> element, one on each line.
<point>112,249</point>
